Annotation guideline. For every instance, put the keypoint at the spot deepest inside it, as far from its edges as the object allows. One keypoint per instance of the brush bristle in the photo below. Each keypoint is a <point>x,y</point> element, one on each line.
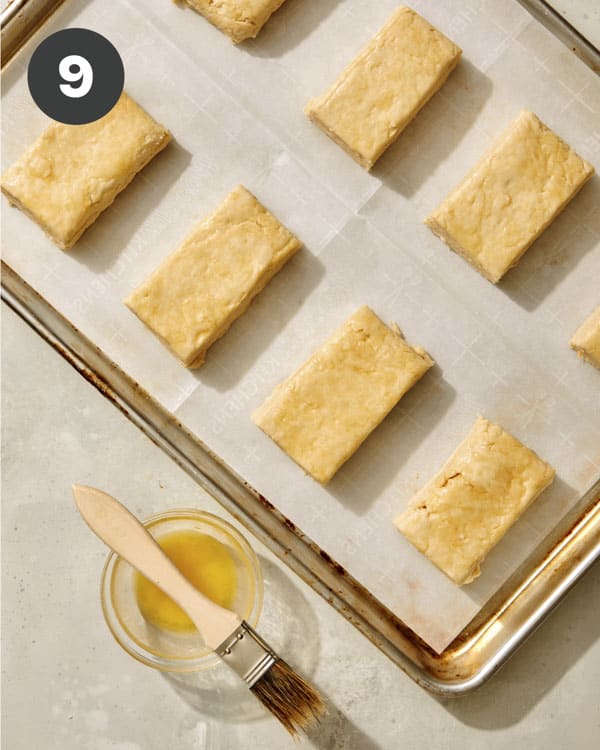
<point>295,702</point>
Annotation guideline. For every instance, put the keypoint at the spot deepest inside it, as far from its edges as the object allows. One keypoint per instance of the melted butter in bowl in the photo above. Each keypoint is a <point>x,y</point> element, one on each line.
<point>205,562</point>
<point>214,557</point>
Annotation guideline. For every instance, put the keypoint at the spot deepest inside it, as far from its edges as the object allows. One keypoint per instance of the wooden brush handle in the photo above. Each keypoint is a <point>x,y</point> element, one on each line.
<point>126,536</point>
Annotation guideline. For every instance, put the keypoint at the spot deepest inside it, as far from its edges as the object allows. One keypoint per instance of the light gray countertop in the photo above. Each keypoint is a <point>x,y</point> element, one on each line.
<point>67,685</point>
<point>584,15</point>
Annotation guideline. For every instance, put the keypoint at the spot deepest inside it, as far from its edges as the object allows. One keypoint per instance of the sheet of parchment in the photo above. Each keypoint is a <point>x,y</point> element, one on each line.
<point>236,116</point>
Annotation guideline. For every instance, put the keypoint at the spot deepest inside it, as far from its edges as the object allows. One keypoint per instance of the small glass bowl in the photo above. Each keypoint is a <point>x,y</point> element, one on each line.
<point>167,650</point>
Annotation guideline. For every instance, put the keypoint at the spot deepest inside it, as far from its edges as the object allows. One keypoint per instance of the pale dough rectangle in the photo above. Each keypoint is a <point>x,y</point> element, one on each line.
<point>511,195</point>
<point>73,172</point>
<point>586,339</point>
<point>208,282</point>
<point>323,412</point>
<point>482,489</point>
<point>239,19</point>
<point>384,88</point>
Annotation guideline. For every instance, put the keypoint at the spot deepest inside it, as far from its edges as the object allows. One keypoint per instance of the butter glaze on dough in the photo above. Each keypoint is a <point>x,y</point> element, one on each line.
<point>482,489</point>
<point>385,86</point>
<point>74,172</point>
<point>210,280</point>
<point>239,19</point>
<point>511,195</point>
<point>323,412</point>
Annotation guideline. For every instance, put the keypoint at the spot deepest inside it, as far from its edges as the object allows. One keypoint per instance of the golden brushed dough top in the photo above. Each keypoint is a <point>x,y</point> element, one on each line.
<point>323,412</point>
<point>481,490</point>
<point>511,195</point>
<point>208,282</point>
<point>385,86</point>
<point>73,172</point>
<point>239,19</point>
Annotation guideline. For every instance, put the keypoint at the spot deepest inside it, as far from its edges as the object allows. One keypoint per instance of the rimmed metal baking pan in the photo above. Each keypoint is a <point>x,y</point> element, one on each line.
<point>503,623</point>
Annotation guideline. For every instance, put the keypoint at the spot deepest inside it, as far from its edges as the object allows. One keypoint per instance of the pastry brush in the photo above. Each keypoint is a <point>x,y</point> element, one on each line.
<point>285,694</point>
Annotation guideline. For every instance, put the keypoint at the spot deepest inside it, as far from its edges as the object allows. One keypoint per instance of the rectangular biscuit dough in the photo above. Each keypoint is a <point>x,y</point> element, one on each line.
<point>586,339</point>
<point>208,282</point>
<point>323,412</point>
<point>482,489</point>
<point>239,19</point>
<point>384,88</point>
<point>73,172</point>
<point>511,195</point>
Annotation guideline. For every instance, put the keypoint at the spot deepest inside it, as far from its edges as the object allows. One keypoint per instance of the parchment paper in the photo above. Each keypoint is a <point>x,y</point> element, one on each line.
<point>236,116</point>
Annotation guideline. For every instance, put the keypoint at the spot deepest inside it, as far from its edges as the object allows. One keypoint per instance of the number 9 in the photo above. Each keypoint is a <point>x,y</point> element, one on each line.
<point>84,75</point>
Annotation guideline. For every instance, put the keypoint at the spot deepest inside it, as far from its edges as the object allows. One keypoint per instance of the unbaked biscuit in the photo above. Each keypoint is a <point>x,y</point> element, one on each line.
<point>481,490</point>
<point>586,339</point>
<point>511,195</point>
<point>384,88</point>
<point>239,19</point>
<point>322,413</point>
<point>208,282</point>
<point>73,172</point>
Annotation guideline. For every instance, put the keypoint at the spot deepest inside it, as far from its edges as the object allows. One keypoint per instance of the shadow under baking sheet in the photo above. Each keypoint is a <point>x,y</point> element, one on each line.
<point>378,461</point>
<point>407,164</point>
<point>266,317</point>
<point>131,207</point>
<point>288,26</point>
<point>564,639</point>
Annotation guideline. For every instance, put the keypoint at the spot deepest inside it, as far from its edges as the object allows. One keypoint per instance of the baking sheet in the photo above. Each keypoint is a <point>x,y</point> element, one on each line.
<point>236,114</point>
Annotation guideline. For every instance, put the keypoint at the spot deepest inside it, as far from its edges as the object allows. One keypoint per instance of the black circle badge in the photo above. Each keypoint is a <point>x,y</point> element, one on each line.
<point>75,76</point>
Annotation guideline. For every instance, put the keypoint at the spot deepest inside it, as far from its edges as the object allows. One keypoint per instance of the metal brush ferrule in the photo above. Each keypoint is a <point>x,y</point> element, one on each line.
<point>247,654</point>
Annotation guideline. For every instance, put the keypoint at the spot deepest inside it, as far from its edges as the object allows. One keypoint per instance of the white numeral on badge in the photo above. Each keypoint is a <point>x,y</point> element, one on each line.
<point>82,74</point>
